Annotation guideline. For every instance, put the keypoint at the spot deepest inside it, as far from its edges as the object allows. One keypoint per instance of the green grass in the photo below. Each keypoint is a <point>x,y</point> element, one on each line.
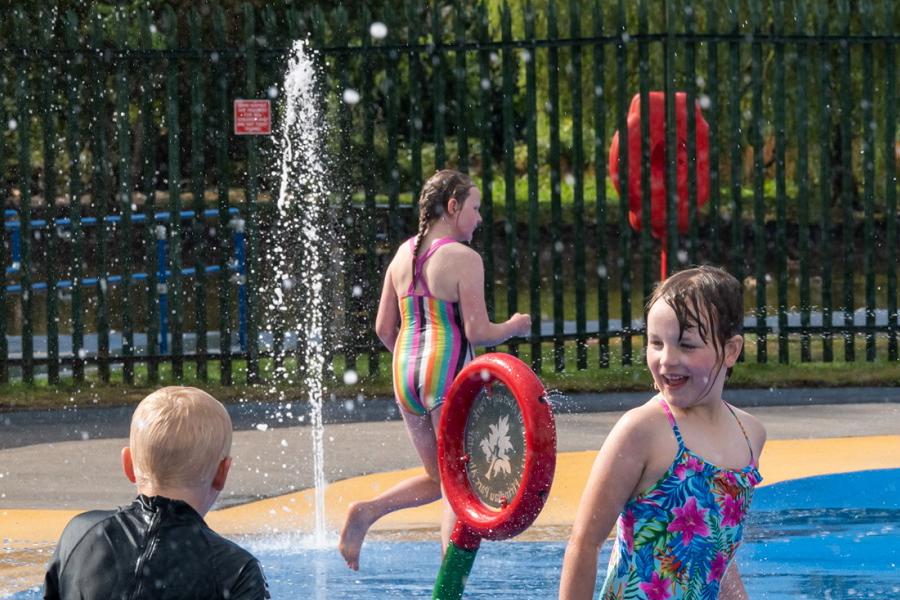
<point>615,377</point>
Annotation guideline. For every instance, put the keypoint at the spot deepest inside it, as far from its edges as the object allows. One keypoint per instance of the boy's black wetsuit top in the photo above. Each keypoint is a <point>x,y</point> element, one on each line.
<point>154,548</point>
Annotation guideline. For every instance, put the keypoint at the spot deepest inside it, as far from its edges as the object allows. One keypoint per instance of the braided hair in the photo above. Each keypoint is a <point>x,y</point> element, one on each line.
<point>435,196</point>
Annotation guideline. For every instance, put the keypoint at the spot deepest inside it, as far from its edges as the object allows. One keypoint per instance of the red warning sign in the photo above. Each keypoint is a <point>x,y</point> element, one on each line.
<point>252,117</point>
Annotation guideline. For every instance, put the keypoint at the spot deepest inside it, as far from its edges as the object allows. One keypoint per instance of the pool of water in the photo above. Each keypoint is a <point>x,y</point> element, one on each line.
<point>824,538</point>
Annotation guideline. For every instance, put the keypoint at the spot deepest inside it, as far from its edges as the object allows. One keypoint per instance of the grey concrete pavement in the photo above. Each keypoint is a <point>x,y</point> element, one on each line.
<point>70,459</point>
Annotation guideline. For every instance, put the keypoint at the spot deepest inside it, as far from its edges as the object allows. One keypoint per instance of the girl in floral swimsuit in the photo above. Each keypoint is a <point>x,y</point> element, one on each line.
<point>432,311</point>
<point>677,474</point>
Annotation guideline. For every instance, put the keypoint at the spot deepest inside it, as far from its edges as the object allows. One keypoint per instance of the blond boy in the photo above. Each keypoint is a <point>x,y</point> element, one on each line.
<point>159,546</point>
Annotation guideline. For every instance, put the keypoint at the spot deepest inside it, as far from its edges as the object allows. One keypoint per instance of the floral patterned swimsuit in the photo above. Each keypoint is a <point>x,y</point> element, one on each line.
<point>675,540</point>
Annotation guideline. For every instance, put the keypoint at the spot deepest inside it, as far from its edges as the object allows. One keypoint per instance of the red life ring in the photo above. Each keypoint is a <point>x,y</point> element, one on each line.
<point>657,114</point>
<point>531,438</point>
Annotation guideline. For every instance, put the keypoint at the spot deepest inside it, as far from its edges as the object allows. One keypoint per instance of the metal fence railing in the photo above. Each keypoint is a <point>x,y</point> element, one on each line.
<point>114,122</point>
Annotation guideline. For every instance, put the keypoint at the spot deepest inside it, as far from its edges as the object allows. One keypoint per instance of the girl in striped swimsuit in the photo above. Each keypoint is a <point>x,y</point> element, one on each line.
<point>432,312</point>
<point>677,474</point>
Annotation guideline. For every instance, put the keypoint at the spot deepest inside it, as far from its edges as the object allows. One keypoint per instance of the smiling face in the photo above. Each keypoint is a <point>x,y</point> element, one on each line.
<point>686,369</point>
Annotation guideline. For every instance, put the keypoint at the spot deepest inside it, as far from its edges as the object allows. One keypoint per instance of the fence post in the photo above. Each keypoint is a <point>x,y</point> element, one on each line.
<point>174,176</point>
<point>713,110</point>
<point>534,249</point>
<point>22,129</point>
<point>223,176</point>
<point>780,190</point>
<point>824,120</point>
<point>415,106</point>
<point>198,178</point>
<point>599,56</point>
<point>559,348</point>
<point>671,144</point>
<point>125,255</point>
<point>487,172</point>
<point>392,85</point>
<point>462,135</point>
<point>868,158</point>
<point>437,73</point>
<point>49,246</point>
<point>4,195</point>
<point>252,273</point>
<point>890,183</point>
<point>509,170</point>
<point>624,228</point>
<point>646,243</point>
<point>847,226</point>
<point>734,158</point>
<point>99,190</point>
<point>802,115</point>
<point>578,200</point>
<point>148,185</point>
<point>690,57</point>
<point>759,215</point>
<point>354,331</point>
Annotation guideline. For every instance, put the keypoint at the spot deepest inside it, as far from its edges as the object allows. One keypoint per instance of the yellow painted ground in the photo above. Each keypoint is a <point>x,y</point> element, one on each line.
<point>781,460</point>
<point>28,536</point>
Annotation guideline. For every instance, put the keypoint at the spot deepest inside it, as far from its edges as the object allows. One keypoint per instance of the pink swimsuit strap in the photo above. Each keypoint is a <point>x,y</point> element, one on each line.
<point>680,440</point>
<point>419,266</point>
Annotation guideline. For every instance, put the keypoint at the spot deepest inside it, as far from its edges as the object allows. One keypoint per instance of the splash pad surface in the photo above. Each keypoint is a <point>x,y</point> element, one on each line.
<point>812,538</point>
<point>835,439</point>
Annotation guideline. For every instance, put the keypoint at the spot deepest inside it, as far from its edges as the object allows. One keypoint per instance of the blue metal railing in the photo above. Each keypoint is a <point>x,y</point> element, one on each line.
<point>238,264</point>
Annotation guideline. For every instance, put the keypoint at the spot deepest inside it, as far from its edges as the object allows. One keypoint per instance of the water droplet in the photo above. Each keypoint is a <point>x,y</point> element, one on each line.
<point>350,377</point>
<point>262,427</point>
<point>705,102</point>
<point>12,124</point>
<point>378,30</point>
<point>351,96</point>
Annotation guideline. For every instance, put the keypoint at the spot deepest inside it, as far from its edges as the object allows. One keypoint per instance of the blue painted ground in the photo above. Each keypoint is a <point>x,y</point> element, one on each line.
<point>821,538</point>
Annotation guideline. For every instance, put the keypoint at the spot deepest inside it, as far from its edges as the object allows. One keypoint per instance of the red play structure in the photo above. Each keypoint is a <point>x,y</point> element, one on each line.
<point>657,143</point>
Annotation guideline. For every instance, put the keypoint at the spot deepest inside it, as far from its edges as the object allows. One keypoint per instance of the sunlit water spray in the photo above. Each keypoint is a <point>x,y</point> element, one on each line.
<point>304,243</point>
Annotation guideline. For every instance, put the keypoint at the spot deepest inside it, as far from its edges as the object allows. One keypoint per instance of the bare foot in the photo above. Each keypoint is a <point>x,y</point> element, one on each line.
<point>354,532</point>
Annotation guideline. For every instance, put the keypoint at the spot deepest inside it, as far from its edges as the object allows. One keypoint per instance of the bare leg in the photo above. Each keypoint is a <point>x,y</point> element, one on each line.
<point>448,522</point>
<point>415,491</point>
<point>448,519</point>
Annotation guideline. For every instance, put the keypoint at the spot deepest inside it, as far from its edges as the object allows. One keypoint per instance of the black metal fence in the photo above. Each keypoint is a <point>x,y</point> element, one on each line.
<point>136,222</point>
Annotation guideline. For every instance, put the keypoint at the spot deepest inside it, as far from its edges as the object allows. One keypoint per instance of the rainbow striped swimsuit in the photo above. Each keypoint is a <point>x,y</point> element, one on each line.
<point>431,346</point>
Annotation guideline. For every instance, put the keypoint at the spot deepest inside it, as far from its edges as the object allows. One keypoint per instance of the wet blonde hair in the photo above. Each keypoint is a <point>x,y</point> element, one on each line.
<point>179,435</point>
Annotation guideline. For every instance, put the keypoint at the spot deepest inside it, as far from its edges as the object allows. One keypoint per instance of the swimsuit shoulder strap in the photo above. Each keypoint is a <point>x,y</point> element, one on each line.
<point>419,266</point>
<point>434,247</point>
<point>744,431</point>
<point>672,422</point>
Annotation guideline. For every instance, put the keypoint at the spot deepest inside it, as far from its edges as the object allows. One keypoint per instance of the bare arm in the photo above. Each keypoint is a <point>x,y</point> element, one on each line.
<point>732,587</point>
<point>616,472</point>
<point>480,331</point>
<point>387,322</point>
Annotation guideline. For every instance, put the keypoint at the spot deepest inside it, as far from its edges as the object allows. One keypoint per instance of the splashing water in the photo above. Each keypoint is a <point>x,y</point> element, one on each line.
<point>303,241</point>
